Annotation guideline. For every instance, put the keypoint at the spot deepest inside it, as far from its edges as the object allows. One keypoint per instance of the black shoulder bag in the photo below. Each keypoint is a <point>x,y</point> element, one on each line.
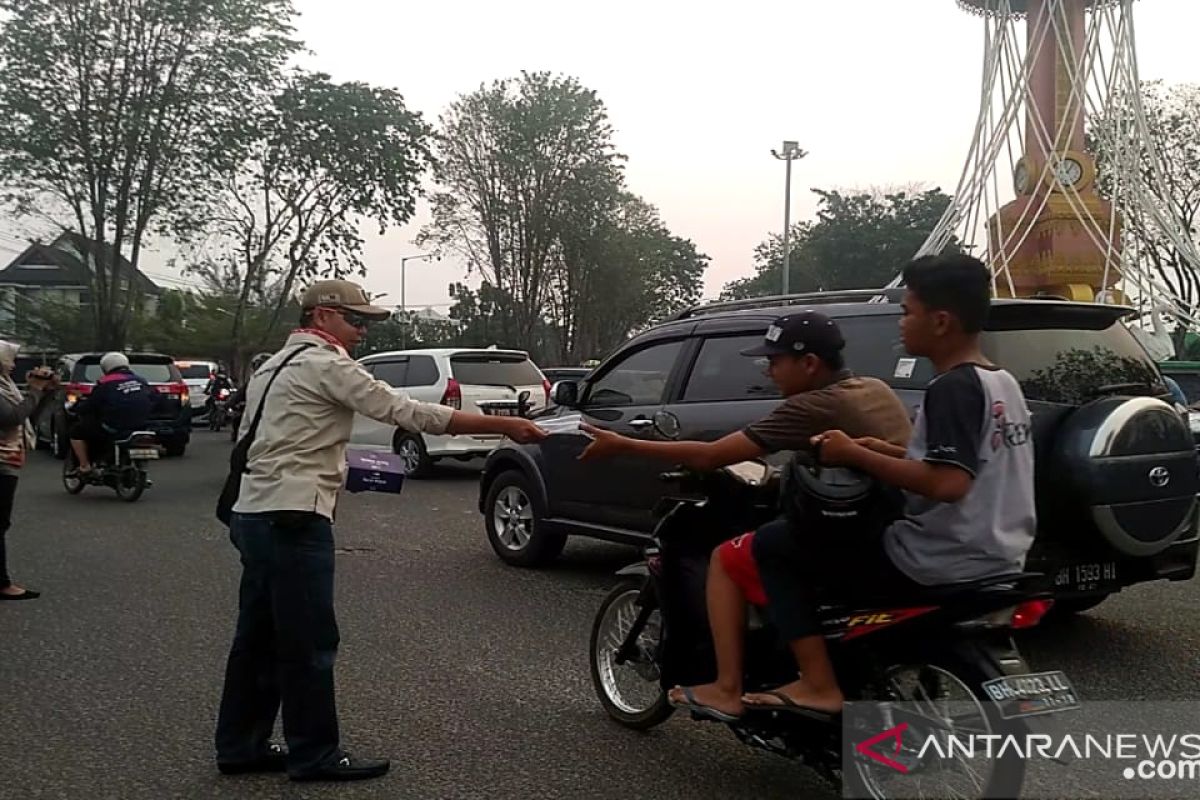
<point>239,459</point>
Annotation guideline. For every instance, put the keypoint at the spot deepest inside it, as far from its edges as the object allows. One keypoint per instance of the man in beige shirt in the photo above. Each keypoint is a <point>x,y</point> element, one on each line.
<point>287,637</point>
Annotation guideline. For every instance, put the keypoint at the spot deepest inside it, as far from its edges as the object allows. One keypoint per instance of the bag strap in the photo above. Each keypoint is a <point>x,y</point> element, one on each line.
<point>253,430</point>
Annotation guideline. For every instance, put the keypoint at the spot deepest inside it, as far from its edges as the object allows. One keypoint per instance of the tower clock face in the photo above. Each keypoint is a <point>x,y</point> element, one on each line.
<point>1021,178</point>
<point>1069,172</point>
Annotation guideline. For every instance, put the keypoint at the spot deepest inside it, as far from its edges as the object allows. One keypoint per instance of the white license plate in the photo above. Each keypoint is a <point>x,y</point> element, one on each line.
<point>143,455</point>
<point>1032,694</point>
<point>1086,577</point>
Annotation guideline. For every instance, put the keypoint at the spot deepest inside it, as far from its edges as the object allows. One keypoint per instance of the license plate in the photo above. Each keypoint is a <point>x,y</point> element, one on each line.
<point>1086,577</point>
<point>143,455</point>
<point>501,411</point>
<point>1032,694</point>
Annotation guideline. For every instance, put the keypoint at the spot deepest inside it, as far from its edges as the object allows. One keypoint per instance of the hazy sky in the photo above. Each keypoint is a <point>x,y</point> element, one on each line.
<point>880,92</point>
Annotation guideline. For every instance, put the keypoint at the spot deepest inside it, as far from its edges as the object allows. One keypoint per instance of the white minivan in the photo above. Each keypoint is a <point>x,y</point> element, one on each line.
<point>479,381</point>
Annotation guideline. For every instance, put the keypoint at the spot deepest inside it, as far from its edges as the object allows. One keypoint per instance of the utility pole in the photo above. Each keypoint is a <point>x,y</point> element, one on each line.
<point>791,152</point>
<point>403,307</point>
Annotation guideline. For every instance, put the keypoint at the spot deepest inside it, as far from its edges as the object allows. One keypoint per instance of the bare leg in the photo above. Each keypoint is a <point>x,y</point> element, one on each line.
<point>817,687</point>
<point>80,448</point>
<point>727,618</point>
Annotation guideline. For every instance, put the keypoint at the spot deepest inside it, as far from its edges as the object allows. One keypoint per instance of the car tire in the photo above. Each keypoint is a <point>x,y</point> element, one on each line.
<point>1067,607</point>
<point>513,521</point>
<point>175,449</point>
<point>411,449</point>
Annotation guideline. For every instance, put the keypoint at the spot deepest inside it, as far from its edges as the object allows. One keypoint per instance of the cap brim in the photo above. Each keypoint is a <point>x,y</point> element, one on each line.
<point>765,349</point>
<point>370,312</point>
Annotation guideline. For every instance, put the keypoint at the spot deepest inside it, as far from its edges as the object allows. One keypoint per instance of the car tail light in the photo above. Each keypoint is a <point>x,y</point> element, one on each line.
<point>546,386</point>
<point>75,391</point>
<point>453,395</point>
<point>1030,613</point>
<point>180,389</point>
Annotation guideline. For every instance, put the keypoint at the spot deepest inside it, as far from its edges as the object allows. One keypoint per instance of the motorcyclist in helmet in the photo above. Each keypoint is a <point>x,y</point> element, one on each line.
<point>237,402</point>
<point>213,388</point>
<point>120,403</point>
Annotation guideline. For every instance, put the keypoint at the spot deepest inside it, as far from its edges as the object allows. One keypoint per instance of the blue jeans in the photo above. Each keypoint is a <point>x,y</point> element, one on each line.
<point>286,642</point>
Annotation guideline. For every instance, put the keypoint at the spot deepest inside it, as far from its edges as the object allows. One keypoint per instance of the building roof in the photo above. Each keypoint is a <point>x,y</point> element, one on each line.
<point>62,263</point>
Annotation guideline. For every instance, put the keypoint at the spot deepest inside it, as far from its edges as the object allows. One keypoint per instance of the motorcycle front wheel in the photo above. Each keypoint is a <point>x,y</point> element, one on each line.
<point>631,692</point>
<point>949,693</point>
<point>131,483</point>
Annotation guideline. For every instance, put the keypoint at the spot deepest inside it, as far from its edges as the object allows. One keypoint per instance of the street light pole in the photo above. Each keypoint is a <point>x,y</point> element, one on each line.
<point>791,152</point>
<point>403,308</point>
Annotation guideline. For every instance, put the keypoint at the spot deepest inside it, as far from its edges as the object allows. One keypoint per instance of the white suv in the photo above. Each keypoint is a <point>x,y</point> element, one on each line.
<point>479,381</point>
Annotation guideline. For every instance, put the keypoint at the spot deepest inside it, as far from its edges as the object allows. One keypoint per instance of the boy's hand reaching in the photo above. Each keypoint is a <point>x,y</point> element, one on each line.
<point>837,449</point>
<point>604,443</point>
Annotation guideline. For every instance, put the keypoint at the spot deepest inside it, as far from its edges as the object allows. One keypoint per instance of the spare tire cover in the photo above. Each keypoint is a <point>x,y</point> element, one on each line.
<point>1131,463</point>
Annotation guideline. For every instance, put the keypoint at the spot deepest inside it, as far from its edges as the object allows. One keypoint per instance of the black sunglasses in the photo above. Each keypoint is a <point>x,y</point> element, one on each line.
<point>353,318</point>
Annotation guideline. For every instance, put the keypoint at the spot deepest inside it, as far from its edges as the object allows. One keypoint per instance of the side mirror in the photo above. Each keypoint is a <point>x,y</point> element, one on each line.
<point>565,393</point>
<point>667,424</point>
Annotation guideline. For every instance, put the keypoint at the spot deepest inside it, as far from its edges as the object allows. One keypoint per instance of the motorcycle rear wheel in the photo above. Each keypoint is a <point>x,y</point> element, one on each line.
<point>961,689</point>
<point>131,484</point>
<point>630,693</point>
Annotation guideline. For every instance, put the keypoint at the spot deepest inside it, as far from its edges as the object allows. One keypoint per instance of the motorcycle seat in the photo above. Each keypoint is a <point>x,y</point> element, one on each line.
<point>1007,583</point>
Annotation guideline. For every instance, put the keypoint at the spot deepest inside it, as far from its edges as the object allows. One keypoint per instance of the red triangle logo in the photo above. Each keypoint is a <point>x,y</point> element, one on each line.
<point>891,733</point>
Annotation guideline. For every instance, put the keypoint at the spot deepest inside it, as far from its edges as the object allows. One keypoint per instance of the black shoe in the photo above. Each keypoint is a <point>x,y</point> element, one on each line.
<point>347,769</point>
<point>28,594</point>
<point>274,760</point>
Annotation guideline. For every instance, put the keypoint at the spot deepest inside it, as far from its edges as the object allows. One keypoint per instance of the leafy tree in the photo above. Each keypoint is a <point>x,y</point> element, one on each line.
<point>518,162</point>
<point>116,112</point>
<point>326,155</point>
<point>1173,114</point>
<point>858,241</point>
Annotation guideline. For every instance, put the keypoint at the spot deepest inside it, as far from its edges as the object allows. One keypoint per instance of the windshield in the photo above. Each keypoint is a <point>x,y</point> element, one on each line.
<point>152,373</point>
<point>495,370</point>
<point>1071,365</point>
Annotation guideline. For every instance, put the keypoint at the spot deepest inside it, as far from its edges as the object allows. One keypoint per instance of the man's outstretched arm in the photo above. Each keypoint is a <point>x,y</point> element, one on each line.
<point>700,456</point>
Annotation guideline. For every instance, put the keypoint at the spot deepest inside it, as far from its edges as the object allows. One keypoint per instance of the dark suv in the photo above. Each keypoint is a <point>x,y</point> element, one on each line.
<point>1117,474</point>
<point>171,420</point>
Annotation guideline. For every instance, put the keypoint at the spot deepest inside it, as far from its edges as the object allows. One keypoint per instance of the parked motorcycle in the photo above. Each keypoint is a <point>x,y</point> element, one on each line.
<point>121,467</point>
<point>219,414</point>
<point>947,651</point>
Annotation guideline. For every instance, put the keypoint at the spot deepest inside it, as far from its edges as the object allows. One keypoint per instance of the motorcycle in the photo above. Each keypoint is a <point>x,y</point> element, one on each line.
<point>938,662</point>
<point>121,467</point>
<point>218,415</point>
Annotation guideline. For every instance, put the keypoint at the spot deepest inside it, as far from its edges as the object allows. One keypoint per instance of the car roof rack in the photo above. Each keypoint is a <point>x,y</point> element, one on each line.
<point>809,299</point>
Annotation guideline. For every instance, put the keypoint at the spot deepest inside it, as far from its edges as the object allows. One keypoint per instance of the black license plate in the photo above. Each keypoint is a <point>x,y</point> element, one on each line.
<point>501,411</point>
<point>1032,694</point>
<point>1088,576</point>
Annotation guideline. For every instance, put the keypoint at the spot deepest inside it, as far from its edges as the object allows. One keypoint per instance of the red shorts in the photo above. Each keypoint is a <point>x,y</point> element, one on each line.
<point>738,561</point>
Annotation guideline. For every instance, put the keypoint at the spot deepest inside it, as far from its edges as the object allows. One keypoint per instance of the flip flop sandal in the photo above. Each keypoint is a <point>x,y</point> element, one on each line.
<point>696,707</point>
<point>789,706</point>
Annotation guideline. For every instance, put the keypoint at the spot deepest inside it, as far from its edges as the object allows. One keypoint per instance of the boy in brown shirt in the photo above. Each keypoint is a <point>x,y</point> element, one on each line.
<point>805,354</point>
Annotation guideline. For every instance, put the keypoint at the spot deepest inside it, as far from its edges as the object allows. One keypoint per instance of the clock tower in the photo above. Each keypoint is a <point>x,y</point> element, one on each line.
<point>1041,235</point>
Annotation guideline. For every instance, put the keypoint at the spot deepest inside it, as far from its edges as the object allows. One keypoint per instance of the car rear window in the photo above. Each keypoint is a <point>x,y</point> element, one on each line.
<point>1071,365</point>
<point>152,372</point>
<point>494,370</point>
<point>195,371</point>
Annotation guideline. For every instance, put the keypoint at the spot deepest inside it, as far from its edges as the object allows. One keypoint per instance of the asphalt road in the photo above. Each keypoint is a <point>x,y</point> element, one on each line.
<point>470,675</point>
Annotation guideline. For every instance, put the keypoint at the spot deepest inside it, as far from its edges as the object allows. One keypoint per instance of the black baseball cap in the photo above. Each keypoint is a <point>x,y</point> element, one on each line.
<point>800,334</point>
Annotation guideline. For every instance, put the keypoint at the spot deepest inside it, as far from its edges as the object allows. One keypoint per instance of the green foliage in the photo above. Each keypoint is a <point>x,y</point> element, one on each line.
<point>532,197</point>
<point>1173,115</point>
<point>858,241</point>
<point>326,155</point>
<point>115,116</point>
